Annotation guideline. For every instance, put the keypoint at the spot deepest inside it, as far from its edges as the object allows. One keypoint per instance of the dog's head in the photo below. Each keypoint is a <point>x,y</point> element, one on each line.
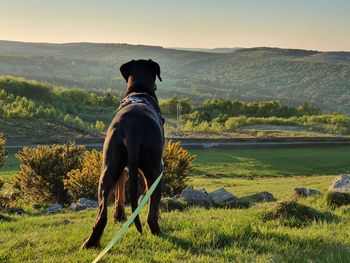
<point>141,75</point>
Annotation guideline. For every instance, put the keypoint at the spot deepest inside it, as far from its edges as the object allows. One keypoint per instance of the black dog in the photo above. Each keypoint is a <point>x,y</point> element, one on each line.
<point>134,140</point>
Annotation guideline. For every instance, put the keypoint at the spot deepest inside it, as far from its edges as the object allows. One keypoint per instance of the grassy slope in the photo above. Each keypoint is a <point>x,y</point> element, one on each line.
<point>36,128</point>
<point>199,235</point>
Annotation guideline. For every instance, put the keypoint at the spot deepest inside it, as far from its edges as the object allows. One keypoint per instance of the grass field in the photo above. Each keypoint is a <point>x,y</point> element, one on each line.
<point>273,162</point>
<point>200,235</point>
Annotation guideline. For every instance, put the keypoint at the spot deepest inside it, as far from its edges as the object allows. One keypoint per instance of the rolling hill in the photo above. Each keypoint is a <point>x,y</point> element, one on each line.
<point>254,74</point>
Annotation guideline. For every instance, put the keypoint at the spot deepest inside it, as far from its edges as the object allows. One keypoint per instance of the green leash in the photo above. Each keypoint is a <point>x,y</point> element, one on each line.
<point>130,220</point>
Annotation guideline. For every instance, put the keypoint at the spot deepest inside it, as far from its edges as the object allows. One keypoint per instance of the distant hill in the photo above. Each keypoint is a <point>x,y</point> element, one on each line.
<point>209,50</point>
<point>252,74</point>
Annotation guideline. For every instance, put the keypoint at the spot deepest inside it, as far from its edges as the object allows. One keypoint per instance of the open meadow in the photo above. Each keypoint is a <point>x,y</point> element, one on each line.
<point>205,235</point>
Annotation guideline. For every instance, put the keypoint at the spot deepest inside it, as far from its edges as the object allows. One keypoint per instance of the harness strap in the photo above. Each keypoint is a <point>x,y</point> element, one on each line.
<point>135,97</point>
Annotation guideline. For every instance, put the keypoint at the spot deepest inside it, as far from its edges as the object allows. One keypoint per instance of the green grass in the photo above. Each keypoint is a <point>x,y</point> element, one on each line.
<point>17,129</point>
<point>272,162</point>
<point>200,235</point>
<point>10,167</point>
<point>194,235</point>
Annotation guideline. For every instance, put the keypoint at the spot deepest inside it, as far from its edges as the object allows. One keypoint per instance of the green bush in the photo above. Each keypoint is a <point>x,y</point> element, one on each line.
<point>61,173</point>
<point>43,170</point>
<point>177,164</point>
<point>100,126</point>
<point>83,182</point>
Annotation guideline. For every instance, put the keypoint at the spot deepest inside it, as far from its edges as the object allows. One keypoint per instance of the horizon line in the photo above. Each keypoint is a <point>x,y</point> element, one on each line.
<point>169,47</point>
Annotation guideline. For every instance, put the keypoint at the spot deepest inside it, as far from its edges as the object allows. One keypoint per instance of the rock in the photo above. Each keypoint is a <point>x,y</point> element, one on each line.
<point>83,203</point>
<point>88,203</point>
<point>75,207</point>
<point>18,211</point>
<point>339,191</point>
<point>222,196</point>
<point>53,209</point>
<point>260,197</point>
<point>37,207</point>
<point>202,190</point>
<point>340,184</point>
<point>196,197</point>
<point>305,192</point>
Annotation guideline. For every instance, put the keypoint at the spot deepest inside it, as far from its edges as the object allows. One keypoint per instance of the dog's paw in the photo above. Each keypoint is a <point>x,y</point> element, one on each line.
<point>89,244</point>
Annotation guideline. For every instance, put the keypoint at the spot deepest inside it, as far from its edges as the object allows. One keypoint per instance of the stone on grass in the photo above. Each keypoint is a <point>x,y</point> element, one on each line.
<point>340,184</point>
<point>196,197</point>
<point>221,195</point>
<point>83,203</point>
<point>339,191</point>
<point>306,192</point>
<point>260,197</point>
<point>53,209</point>
<point>37,206</point>
<point>18,211</point>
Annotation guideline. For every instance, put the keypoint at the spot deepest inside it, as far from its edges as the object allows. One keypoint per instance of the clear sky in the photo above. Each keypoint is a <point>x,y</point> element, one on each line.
<point>307,24</point>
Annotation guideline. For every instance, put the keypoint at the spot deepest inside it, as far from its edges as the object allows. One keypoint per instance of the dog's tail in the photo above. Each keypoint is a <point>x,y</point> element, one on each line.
<point>133,165</point>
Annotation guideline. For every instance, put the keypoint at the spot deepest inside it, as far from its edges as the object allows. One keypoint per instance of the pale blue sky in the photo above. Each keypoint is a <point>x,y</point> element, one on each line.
<point>309,24</point>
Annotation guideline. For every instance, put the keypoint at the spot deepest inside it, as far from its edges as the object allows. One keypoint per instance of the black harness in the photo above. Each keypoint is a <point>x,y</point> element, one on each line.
<point>143,98</point>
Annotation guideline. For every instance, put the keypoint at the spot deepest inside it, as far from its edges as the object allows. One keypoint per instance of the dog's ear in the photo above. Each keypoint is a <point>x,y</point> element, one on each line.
<point>126,68</point>
<point>156,68</point>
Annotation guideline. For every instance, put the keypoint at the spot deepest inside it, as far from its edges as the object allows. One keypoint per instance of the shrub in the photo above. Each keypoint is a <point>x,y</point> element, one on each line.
<point>43,170</point>
<point>100,126</point>
<point>2,149</point>
<point>83,182</point>
<point>177,164</point>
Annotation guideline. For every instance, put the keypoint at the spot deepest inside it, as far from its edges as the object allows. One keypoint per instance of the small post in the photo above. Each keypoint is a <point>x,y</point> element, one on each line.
<point>178,113</point>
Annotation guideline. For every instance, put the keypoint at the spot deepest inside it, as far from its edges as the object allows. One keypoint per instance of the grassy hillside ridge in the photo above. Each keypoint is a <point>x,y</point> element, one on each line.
<point>44,108</point>
<point>291,75</point>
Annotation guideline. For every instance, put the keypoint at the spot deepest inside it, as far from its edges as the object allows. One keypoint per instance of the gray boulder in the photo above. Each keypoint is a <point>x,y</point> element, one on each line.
<point>18,211</point>
<point>83,203</point>
<point>37,206</point>
<point>305,192</point>
<point>340,184</point>
<point>53,209</point>
<point>260,197</point>
<point>196,197</point>
<point>221,195</point>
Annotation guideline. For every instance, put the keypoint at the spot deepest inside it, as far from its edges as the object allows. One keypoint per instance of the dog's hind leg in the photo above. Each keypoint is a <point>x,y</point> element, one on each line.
<point>119,213</point>
<point>113,166</point>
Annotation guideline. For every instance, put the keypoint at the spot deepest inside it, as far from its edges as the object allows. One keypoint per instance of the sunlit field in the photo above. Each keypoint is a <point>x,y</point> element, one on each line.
<point>198,234</point>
